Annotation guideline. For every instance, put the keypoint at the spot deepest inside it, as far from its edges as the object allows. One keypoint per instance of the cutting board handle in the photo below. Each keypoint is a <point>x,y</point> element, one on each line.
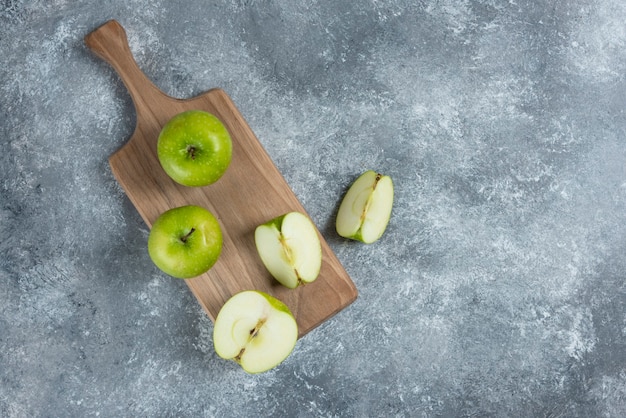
<point>110,43</point>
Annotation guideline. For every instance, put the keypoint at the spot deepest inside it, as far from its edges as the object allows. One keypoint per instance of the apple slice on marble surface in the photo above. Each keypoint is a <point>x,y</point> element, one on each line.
<point>366,208</point>
<point>290,249</point>
<point>194,148</point>
<point>256,330</point>
<point>185,242</point>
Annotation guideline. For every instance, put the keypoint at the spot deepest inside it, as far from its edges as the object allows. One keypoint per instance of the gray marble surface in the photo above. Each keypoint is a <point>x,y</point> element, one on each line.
<point>497,290</point>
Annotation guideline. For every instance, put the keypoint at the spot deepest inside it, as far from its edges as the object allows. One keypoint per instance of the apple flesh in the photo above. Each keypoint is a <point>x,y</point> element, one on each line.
<point>194,148</point>
<point>366,208</point>
<point>290,249</point>
<point>185,242</point>
<point>256,330</point>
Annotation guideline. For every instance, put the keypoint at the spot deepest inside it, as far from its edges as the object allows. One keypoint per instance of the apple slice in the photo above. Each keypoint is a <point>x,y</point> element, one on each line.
<point>366,208</point>
<point>255,330</point>
<point>290,249</point>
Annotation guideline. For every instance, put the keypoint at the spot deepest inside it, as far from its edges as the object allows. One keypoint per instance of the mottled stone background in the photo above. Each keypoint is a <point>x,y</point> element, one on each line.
<point>497,290</point>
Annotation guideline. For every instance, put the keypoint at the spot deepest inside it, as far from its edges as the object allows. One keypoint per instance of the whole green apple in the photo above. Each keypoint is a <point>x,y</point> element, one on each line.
<point>194,148</point>
<point>185,242</point>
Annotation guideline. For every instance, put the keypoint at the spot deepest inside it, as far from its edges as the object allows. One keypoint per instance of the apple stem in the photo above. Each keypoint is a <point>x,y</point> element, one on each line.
<point>186,237</point>
<point>191,152</point>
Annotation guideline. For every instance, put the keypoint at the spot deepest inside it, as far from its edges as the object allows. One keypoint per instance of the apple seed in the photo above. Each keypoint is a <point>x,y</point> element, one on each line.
<point>253,332</point>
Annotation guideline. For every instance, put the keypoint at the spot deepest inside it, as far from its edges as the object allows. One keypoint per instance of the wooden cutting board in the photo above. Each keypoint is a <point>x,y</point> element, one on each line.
<point>251,192</point>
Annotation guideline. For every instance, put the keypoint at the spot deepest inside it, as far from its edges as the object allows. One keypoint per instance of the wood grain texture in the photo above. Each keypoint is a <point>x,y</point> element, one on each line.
<point>251,192</point>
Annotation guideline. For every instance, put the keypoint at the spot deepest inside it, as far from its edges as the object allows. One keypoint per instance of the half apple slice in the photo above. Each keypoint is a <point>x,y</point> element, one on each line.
<point>366,208</point>
<point>256,330</point>
<point>290,249</point>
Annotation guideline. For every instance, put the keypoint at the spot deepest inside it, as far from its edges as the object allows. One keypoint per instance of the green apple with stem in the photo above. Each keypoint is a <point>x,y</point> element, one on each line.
<point>185,242</point>
<point>290,249</point>
<point>366,208</point>
<point>256,330</point>
<point>194,148</point>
